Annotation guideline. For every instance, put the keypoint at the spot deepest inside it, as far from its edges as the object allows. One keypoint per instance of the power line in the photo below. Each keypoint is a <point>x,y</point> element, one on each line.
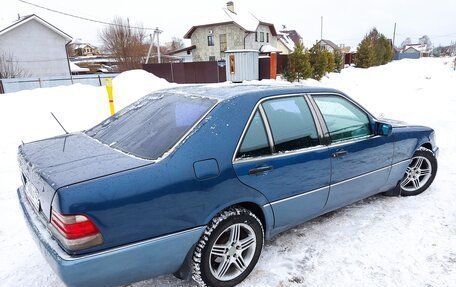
<point>83,18</point>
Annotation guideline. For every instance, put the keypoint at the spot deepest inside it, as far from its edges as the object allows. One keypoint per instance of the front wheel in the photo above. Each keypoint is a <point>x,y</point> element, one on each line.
<point>420,173</point>
<point>229,248</point>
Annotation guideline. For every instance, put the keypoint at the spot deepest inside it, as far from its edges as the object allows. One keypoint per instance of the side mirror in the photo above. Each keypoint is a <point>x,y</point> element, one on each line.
<point>384,129</point>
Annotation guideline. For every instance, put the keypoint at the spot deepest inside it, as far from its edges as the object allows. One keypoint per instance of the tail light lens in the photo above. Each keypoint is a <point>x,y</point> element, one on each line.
<point>75,232</point>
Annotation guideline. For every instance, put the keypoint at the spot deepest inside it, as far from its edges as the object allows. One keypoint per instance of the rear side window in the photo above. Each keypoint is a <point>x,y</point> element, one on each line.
<point>344,120</point>
<point>255,142</point>
<point>292,124</point>
<point>152,125</point>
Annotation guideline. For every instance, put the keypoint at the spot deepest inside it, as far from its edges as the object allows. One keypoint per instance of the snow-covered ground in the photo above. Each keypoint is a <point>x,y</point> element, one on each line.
<point>381,241</point>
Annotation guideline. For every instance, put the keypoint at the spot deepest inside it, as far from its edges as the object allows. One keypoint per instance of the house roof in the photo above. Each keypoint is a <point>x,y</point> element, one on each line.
<point>28,18</point>
<point>330,43</point>
<point>417,47</point>
<point>287,43</point>
<point>268,49</point>
<point>244,19</point>
<point>293,35</point>
<point>182,50</point>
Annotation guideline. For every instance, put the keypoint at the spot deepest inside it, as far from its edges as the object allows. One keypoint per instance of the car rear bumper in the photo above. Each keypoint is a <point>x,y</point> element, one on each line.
<point>117,266</point>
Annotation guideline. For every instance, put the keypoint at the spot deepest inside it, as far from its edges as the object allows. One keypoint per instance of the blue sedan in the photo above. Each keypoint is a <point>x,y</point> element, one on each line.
<point>192,180</point>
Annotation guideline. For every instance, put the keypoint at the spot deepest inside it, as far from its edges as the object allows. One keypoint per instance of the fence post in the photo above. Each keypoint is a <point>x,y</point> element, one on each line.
<point>1,87</point>
<point>108,82</point>
<point>39,82</point>
<point>99,80</point>
<point>172,72</point>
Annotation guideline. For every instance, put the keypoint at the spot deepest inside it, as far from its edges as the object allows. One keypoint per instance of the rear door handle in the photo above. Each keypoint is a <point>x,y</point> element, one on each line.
<point>339,153</point>
<point>260,170</point>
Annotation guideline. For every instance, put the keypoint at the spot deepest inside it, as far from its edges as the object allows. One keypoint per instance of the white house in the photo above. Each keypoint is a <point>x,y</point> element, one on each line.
<point>36,46</point>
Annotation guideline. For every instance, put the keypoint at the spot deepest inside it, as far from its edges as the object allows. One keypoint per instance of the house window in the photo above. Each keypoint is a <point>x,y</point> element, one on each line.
<point>211,58</point>
<point>210,40</point>
<point>267,37</point>
<point>223,43</point>
<point>261,36</point>
<point>189,52</point>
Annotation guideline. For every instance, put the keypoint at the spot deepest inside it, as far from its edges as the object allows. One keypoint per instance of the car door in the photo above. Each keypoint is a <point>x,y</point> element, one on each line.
<point>360,159</point>
<point>280,155</point>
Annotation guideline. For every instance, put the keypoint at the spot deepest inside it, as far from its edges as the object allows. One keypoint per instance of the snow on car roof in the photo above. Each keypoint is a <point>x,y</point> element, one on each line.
<point>225,91</point>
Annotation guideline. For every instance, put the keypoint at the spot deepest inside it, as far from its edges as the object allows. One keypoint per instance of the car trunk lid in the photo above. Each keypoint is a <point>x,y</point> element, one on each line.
<point>50,164</point>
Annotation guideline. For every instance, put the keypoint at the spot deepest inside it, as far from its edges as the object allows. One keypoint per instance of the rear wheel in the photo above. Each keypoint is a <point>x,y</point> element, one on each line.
<point>420,173</point>
<point>229,248</point>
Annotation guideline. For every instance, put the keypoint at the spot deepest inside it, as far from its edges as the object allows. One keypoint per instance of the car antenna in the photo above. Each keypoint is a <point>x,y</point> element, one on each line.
<point>59,122</point>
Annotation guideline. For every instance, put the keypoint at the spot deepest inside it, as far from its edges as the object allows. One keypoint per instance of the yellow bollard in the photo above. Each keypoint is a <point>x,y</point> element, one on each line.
<point>108,83</point>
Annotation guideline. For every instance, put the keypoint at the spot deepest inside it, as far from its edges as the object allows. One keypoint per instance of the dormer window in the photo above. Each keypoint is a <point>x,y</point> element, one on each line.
<point>261,36</point>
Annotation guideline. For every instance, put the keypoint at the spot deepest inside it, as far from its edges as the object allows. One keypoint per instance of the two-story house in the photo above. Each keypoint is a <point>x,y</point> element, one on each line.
<point>236,30</point>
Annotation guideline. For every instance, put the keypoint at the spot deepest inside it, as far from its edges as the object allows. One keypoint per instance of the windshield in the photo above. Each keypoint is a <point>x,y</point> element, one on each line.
<point>152,125</point>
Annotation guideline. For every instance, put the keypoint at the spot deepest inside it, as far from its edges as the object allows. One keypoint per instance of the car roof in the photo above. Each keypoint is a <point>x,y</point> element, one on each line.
<point>226,91</point>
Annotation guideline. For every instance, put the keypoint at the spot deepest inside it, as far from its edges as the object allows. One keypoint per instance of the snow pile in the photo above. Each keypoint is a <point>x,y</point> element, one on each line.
<point>132,85</point>
<point>381,241</point>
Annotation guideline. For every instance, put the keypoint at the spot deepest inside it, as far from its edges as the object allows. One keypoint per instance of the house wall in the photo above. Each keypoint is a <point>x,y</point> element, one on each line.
<point>252,44</point>
<point>39,51</point>
<point>183,54</point>
<point>283,48</point>
<point>235,40</point>
<point>202,52</point>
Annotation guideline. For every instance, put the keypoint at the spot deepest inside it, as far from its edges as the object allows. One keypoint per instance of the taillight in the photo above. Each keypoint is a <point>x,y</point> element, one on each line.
<point>75,232</point>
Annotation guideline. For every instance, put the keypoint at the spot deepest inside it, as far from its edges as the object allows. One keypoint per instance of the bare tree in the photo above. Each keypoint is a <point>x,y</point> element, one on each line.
<point>175,44</point>
<point>9,67</point>
<point>125,43</point>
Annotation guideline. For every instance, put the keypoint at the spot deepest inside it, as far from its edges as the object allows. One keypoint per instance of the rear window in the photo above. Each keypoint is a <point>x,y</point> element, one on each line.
<point>152,125</point>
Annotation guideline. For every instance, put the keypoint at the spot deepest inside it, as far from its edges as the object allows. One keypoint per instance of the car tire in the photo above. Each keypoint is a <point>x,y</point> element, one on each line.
<point>420,173</point>
<point>229,248</point>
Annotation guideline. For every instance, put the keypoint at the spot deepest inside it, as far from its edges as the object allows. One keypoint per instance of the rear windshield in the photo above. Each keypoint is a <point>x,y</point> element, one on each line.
<point>152,125</point>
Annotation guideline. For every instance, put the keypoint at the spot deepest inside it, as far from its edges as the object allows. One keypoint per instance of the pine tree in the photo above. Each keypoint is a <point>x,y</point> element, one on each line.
<point>331,64</point>
<point>365,54</point>
<point>319,61</point>
<point>298,65</point>
<point>339,61</point>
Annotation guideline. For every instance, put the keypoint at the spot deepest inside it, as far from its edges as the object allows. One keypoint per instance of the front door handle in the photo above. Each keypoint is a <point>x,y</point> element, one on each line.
<point>260,170</point>
<point>339,153</point>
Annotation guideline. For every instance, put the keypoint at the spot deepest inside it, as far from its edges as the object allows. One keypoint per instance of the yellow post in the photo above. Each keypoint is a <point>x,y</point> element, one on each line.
<point>108,84</point>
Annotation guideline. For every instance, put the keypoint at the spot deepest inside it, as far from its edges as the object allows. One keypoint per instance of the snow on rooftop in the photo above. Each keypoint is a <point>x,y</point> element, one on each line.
<point>76,69</point>
<point>268,49</point>
<point>286,41</point>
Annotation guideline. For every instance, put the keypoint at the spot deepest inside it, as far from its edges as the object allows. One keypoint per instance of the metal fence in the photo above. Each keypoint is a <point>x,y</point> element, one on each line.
<point>20,84</point>
<point>189,72</point>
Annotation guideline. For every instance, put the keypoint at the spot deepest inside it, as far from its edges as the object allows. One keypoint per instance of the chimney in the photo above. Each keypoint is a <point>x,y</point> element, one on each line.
<point>230,6</point>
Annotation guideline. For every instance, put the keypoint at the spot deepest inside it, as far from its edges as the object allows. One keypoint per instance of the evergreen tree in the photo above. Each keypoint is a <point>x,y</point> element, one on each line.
<point>298,65</point>
<point>339,61</point>
<point>365,54</point>
<point>331,65</point>
<point>319,61</point>
<point>375,49</point>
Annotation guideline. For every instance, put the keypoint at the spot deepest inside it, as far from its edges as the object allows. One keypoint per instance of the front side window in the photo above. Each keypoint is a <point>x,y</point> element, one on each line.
<point>223,43</point>
<point>255,142</point>
<point>261,36</point>
<point>152,125</point>
<point>210,40</point>
<point>291,123</point>
<point>344,120</point>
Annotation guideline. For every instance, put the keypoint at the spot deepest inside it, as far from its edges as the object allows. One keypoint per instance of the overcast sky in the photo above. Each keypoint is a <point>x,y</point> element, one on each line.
<point>344,21</point>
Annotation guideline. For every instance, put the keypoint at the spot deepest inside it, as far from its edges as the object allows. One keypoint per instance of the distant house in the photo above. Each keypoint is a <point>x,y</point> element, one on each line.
<point>413,51</point>
<point>287,40</point>
<point>182,55</point>
<point>37,47</point>
<point>329,45</point>
<point>233,30</point>
<point>84,49</point>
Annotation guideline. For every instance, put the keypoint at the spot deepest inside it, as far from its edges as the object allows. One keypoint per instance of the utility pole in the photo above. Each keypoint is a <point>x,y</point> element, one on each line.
<point>150,47</point>
<point>394,34</point>
<point>321,29</point>
<point>157,32</point>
